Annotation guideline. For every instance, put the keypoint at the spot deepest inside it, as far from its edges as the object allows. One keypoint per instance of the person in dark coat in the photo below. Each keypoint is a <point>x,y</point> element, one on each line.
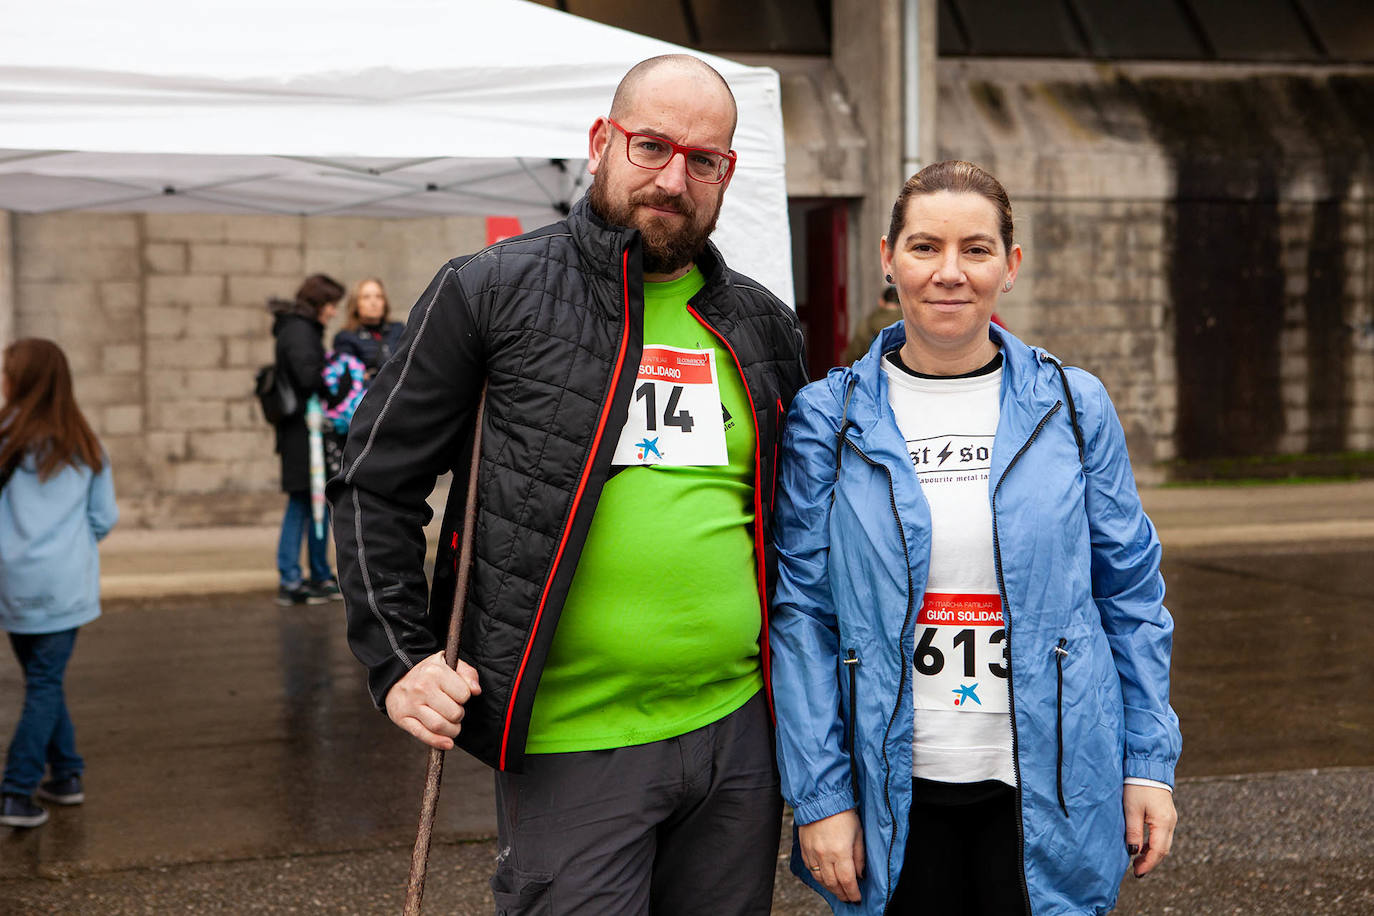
<point>298,326</point>
<point>368,333</point>
<point>614,662</point>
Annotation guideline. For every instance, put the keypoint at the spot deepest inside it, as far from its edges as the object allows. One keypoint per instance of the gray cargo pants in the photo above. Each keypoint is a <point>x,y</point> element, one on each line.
<point>680,826</point>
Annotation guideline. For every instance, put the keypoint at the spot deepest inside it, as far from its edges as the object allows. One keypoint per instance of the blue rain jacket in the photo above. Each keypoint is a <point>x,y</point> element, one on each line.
<point>49,566</point>
<point>1078,568</point>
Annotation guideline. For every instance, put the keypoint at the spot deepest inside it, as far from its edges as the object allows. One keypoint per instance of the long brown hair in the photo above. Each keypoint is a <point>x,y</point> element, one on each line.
<point>40,415</point>
<point>354,321</point>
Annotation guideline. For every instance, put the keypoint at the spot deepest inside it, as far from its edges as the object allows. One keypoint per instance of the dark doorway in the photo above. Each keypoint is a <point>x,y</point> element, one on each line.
<point>820,251</point>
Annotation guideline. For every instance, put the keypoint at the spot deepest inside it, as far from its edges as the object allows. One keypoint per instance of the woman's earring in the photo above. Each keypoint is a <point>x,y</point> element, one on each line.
<point>887,277</point>
<point>1007,287</point>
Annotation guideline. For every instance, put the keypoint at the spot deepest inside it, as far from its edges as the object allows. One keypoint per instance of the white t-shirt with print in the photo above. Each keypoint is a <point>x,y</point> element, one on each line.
<point>962,705</point>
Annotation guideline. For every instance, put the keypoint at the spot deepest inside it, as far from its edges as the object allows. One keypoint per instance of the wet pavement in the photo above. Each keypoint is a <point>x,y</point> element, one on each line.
<point>1272,654</point>
<point>227,727</point>
<point>235,762</point>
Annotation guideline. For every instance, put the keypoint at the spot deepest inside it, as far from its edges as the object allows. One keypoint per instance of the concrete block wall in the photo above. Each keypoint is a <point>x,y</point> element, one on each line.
<point>205,280</point>
<point>79,281</point>
<point>163,318</point>
<point>1090,214</point>
<point>1093,291</point>
<point>1359,311</point>
<point>1295,231</point>
<point>1325,403</point>
<point>1209,263</point>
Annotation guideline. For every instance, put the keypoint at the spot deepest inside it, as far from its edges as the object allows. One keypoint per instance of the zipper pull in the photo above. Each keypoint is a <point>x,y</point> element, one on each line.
<point>1059,649</point>
<point>851,661</point>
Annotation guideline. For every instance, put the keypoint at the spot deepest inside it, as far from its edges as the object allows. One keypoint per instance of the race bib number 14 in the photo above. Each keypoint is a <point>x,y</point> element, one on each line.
<point>675,414</point>
<point>961,653</point>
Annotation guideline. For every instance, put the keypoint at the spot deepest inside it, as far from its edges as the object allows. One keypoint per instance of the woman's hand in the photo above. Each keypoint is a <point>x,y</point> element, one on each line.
<point>833,848</point>
<point>1148,808</point>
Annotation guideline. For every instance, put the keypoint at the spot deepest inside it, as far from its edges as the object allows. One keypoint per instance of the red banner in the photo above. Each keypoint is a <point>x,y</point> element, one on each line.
<point>671,366</point>
<point>946,609</point>
<point>500,228</point>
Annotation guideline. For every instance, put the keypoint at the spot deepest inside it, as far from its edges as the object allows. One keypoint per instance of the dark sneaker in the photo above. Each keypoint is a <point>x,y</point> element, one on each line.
<point>329,589</point>
<point>64,791</point>
<point>20,811</point>
<point>289,595</point>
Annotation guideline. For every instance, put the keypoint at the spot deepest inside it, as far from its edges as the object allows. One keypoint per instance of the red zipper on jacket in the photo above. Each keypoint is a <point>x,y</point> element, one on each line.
<point>773,490</point>
<point>765,658</point>
<point>572,512</point>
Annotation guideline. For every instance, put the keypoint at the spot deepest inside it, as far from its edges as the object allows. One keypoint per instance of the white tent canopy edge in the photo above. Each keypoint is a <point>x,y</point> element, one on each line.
<point>414,108</point>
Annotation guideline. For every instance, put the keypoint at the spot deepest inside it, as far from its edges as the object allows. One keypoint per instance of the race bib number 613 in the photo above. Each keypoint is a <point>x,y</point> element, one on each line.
<point>961,653</point>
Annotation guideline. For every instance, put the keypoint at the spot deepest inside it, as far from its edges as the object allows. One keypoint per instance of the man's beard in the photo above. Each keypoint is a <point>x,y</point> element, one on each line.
<point>666,249</point>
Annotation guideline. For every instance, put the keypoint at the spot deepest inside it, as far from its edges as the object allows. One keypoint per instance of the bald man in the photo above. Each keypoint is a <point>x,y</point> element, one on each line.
<point>614,661</point>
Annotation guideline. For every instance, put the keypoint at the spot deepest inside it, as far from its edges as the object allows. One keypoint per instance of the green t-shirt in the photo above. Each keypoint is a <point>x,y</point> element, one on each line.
<point>660,631</point>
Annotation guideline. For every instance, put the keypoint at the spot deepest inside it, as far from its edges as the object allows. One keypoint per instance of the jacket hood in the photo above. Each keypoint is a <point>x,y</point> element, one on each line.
<point>279,306</point>
<point>284,311</point>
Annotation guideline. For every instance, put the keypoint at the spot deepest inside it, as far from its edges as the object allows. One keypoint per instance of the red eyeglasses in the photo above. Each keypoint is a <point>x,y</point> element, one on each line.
<point>653,152</point>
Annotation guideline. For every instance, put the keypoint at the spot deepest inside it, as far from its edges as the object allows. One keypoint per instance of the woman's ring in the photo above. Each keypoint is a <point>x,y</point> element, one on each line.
<point>815,868</point>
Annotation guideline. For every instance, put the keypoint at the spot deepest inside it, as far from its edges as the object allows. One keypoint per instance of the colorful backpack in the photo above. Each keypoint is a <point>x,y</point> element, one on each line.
<point>345,377</point>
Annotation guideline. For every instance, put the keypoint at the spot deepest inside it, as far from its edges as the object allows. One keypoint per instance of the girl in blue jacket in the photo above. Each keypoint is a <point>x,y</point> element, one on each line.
<point>970,651</point>
<point>56,502</point>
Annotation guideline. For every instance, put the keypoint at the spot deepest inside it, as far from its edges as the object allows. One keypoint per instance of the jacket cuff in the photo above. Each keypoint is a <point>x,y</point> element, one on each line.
<point>381,678</point>
<point>823,807</point>
<point>1154,770</point>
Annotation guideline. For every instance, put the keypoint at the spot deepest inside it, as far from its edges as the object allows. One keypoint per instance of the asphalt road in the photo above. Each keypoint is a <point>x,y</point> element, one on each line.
<point>235,763</point>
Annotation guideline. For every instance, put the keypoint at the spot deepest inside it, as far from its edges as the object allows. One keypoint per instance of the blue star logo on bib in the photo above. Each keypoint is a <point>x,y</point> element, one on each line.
<point>648,446</point>
<point>965,694</point>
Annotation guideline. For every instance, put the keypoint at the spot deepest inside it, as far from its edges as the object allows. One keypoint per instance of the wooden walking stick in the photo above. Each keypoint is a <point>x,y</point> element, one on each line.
<point>434,769</point>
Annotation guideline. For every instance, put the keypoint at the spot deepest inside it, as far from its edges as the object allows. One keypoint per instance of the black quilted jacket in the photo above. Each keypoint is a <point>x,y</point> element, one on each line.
<point>553,320</point>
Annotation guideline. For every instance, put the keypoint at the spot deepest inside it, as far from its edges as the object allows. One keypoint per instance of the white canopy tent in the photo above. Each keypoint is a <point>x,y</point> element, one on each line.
<point>407,108</point>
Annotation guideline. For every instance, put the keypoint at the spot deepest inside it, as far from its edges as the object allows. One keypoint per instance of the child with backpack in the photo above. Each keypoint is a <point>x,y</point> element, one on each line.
<point>56,501</point>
